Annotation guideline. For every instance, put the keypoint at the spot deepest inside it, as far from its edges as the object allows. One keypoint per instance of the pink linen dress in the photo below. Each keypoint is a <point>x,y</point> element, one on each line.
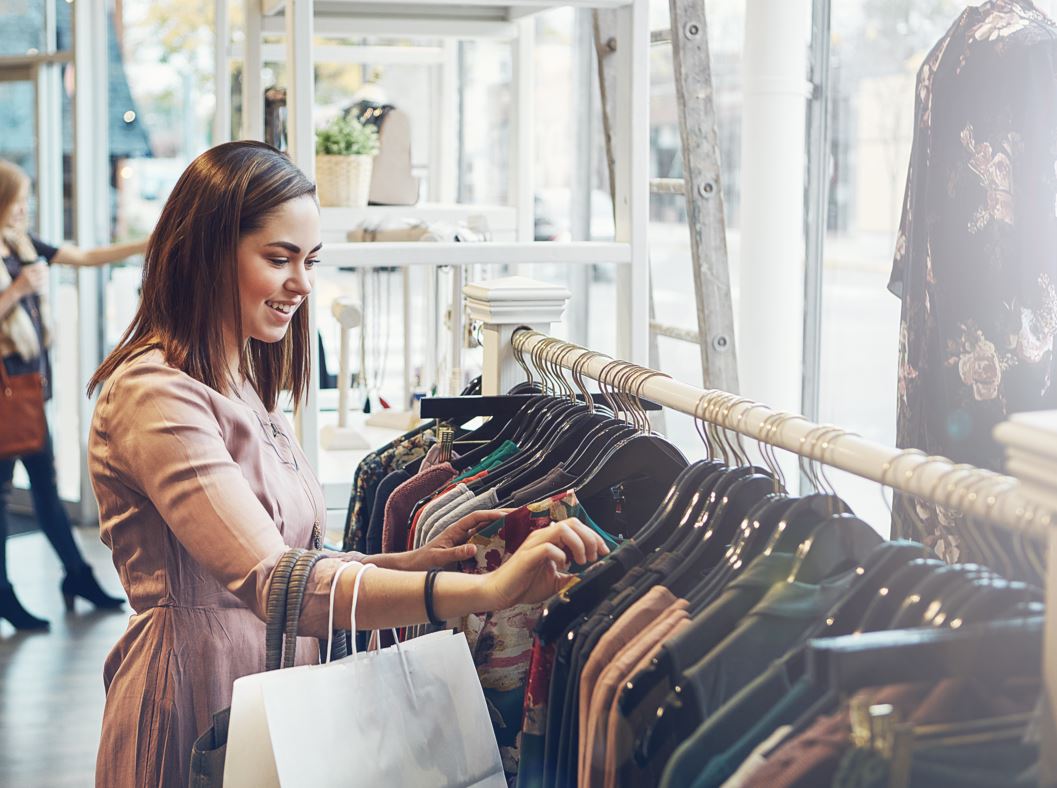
<point>199,495</point>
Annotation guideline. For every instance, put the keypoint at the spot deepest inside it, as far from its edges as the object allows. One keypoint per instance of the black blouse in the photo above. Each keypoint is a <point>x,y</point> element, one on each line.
<point>976,256</point>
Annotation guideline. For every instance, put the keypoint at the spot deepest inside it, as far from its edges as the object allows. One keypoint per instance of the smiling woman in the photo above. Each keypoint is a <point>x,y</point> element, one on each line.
<point>201,488</point>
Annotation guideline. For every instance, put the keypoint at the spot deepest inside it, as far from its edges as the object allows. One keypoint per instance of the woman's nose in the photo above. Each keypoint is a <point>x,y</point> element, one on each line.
<point>300,282</point>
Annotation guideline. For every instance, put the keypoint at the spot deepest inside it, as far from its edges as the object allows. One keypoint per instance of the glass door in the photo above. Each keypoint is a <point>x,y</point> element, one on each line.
<point>31,136</point>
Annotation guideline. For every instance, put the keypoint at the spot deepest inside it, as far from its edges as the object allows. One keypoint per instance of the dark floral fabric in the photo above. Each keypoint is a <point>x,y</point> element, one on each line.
<point>370,472</point>
<point>976,255</point>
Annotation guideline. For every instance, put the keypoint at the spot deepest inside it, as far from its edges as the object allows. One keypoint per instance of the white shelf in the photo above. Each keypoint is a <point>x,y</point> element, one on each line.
<point>486,253</point>
<point>466,10</point>
<point>337,222</point>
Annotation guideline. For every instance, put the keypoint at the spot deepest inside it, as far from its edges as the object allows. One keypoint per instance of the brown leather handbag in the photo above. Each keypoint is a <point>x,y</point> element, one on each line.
<point>22,426</point>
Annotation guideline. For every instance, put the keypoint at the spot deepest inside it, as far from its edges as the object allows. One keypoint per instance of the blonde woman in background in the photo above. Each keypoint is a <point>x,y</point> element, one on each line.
<point>24,340</point>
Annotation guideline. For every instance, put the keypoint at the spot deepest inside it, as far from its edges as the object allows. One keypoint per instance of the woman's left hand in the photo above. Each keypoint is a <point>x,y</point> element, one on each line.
<point>450,546</point>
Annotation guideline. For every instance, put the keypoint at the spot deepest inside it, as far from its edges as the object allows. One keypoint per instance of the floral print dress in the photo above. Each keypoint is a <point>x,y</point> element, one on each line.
<point>501,641</point>
<point>976,255</point>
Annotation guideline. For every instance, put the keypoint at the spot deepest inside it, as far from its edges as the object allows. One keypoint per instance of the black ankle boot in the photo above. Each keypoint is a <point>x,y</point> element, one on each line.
<point>12,610</point>
<point>84,584</point>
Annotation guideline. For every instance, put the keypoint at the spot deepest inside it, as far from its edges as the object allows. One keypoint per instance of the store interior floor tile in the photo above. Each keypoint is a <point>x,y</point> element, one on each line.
<point>51,684</point>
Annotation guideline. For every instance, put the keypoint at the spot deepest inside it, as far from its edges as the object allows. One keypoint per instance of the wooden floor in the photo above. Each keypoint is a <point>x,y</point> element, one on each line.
<point>51,684</point>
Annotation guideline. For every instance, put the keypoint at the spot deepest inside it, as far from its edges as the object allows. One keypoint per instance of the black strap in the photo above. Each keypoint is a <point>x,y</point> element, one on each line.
<point>431,581</point>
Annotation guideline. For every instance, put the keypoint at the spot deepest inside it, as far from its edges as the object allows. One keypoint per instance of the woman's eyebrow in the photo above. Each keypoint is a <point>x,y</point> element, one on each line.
<point>294,248</point>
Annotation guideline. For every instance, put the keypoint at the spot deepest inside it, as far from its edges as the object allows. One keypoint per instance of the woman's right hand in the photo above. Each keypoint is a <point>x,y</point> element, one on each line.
<point>537,570</point>
<point>32,279</point>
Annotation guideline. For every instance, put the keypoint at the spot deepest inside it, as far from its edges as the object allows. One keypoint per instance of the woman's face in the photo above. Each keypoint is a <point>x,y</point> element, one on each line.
<point>17,212</point>
<point>275,269</point>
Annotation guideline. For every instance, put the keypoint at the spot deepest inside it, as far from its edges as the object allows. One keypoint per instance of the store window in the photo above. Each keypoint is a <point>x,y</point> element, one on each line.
<point>877,47</point>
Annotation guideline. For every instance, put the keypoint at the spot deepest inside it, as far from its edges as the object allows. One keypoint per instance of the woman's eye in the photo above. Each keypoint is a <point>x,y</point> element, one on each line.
<point>312,262</point>
<point>279,260</point>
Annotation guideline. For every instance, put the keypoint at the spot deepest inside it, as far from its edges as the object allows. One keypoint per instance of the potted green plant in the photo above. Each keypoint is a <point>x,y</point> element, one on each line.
<point>345,150</point>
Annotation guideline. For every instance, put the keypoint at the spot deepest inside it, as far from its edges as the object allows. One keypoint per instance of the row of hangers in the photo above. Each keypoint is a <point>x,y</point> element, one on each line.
<point>1015,551</point>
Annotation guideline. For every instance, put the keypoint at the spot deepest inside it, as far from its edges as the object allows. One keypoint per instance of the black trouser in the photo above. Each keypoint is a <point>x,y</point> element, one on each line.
<point>51,516</point>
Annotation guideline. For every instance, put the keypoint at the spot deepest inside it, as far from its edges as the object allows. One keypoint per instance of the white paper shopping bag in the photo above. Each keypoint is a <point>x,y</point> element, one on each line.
<point>409,715</point>
<point>413,714</point>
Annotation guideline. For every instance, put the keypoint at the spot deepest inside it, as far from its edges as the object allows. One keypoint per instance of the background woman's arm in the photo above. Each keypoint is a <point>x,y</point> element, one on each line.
<point>75,256</point>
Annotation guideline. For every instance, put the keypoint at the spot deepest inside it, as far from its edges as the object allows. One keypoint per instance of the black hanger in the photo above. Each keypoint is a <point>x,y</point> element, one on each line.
<point>495,437</point>
<point>642,456</point>
<point>987,652</point>
<point>881,610</point>
<point>594,586</point>
<point>942,610</point>
<point>545,413</point>
<point>596,445</point>
<point>911,613</point>
<point>558,450</point>
<point>642,683</point>
<point>838,544</point>
<point>676,504</point>
<point>531,464</point>
<point>877,570</point>
<point>753,534</point>
<point>802,519</point>
<point>720,532</point>
<point>701,508</point>
<point>1014,599</point>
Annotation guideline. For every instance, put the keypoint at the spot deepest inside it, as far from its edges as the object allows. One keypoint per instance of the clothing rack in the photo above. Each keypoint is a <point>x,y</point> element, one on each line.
<point>516,316</point>
<point>991,497</point>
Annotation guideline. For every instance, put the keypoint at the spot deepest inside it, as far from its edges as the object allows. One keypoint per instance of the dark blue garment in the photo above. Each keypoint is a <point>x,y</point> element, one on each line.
<point>16,365</point>
<point>381,495</point>
<point>51,515</point>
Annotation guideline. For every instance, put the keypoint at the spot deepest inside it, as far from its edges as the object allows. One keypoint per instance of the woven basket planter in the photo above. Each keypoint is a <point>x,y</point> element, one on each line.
<point>343,181</point>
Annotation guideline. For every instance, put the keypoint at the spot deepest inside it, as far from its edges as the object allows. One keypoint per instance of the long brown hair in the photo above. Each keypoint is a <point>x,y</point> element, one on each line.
<point>12,180</point>
<point>190,274</point>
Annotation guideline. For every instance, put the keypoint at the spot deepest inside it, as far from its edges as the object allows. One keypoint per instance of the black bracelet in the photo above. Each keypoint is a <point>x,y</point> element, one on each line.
<point>431,581</point>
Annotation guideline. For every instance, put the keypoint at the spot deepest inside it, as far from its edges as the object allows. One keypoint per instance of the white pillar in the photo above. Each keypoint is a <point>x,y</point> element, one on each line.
<point>300,99</point>
<point>503,306</point>
<point>222,74</point>
<point>770,316</point>
<point>252,87</point>
<point>631,151</point>
<point>91,163</point>
<point>523,149</point>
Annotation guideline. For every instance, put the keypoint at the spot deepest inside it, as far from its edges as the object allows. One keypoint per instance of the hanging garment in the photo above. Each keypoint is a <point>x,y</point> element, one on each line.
<point>974,263</point>
<point>657,600</point>
<point>602,722</point>
<point>369,474</point>
<point>501,641</point>
<point>402,501</point>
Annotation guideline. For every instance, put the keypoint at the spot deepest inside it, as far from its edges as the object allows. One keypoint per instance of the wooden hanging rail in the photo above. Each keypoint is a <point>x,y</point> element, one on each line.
<point>984,494</point>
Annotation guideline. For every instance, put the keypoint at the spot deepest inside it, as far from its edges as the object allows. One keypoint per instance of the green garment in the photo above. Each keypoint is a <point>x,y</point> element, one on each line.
<point>507,450</point>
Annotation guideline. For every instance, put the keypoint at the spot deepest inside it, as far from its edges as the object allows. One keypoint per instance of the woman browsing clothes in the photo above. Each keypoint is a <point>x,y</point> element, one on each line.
<point>24,338</point>
<point>202,487</point>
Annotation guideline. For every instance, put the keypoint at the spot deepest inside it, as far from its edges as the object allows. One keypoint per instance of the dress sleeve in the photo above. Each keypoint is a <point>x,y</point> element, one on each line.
<point>164,441</point>
<point>44,250</point>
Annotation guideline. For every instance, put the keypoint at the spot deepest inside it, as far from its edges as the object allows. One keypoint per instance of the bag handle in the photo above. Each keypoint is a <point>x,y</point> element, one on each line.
<point>396,639</point>
<point>277,591</point>
<point>295,595</point>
